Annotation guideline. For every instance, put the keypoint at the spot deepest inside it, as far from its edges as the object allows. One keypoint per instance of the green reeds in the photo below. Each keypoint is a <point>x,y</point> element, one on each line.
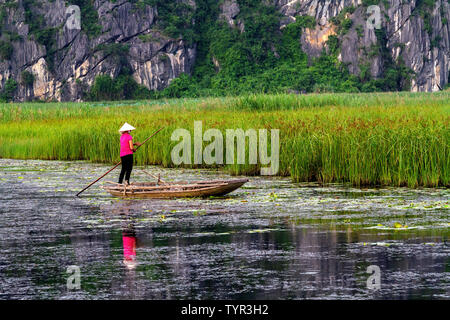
<point>397,139</point>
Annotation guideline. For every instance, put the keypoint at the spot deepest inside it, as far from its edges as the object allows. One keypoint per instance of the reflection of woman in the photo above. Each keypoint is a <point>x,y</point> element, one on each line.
<point>129,246</point>
<point>129,242</point>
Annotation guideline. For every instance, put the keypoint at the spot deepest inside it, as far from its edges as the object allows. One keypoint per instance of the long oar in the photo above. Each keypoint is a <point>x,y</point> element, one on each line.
<point>117,163</point>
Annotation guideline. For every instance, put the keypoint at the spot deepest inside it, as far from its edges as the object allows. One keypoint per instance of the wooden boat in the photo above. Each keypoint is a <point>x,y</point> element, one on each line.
<point>174,190</point>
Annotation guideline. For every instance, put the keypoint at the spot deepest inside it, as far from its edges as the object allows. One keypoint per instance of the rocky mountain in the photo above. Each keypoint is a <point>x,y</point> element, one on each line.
<point>417,31</point>
<point>46,55</point>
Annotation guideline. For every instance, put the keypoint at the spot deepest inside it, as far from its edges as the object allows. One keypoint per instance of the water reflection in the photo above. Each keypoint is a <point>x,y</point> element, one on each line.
<point>129,239</point>
<point>129,243</point>
<point>215,260</point>
<point>310,244</point>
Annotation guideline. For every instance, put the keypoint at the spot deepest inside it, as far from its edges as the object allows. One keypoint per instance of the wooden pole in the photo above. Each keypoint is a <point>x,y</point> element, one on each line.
<point>117,163</point>
<point>156,177</point>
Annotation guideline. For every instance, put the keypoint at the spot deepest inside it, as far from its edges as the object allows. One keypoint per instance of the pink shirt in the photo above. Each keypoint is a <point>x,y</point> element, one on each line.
<point>125,145</point>
<point>129,247</point>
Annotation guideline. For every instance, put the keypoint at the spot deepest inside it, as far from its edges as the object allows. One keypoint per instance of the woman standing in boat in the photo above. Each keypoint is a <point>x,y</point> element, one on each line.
<point>126,152</point>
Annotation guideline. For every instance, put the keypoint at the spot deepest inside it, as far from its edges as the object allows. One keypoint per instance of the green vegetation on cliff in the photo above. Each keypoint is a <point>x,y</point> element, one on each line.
<point>259,57</point>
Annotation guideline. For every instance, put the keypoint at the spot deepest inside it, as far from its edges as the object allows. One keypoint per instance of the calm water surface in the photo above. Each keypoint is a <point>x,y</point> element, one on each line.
<point>271,239</point>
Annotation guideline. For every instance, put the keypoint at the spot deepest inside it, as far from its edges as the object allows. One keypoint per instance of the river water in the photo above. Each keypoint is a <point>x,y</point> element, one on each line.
<point>270,239</point>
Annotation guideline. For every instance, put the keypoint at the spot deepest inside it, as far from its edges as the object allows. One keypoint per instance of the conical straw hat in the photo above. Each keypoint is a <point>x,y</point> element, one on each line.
<point>127,127</point>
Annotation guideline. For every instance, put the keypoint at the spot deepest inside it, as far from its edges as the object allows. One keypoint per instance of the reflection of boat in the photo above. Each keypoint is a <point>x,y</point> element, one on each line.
<point>175,189</point>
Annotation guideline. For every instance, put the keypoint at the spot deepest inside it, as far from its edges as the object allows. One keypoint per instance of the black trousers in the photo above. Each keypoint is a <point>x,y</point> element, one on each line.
<point>127,166</point>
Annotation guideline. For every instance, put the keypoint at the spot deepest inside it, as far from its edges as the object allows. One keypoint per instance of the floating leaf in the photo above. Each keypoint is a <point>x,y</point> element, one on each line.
<point>261,230</point>
<point>399,225</point>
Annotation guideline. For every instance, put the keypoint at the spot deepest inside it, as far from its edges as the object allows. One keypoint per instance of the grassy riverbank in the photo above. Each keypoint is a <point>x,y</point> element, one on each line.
<point>387,138</point>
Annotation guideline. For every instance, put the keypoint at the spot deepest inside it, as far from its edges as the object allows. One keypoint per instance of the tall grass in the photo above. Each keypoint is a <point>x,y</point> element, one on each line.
<point>397,139</point>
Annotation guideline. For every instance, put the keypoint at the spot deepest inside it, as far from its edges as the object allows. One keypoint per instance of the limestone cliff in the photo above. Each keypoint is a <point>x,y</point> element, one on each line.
<point>64,61</point>
<point>78,58</point>
<point>421,41</point>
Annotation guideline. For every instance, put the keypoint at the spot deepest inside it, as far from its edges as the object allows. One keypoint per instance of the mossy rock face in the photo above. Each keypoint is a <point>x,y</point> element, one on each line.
<point>27,78</point>
<point>6,50</point>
